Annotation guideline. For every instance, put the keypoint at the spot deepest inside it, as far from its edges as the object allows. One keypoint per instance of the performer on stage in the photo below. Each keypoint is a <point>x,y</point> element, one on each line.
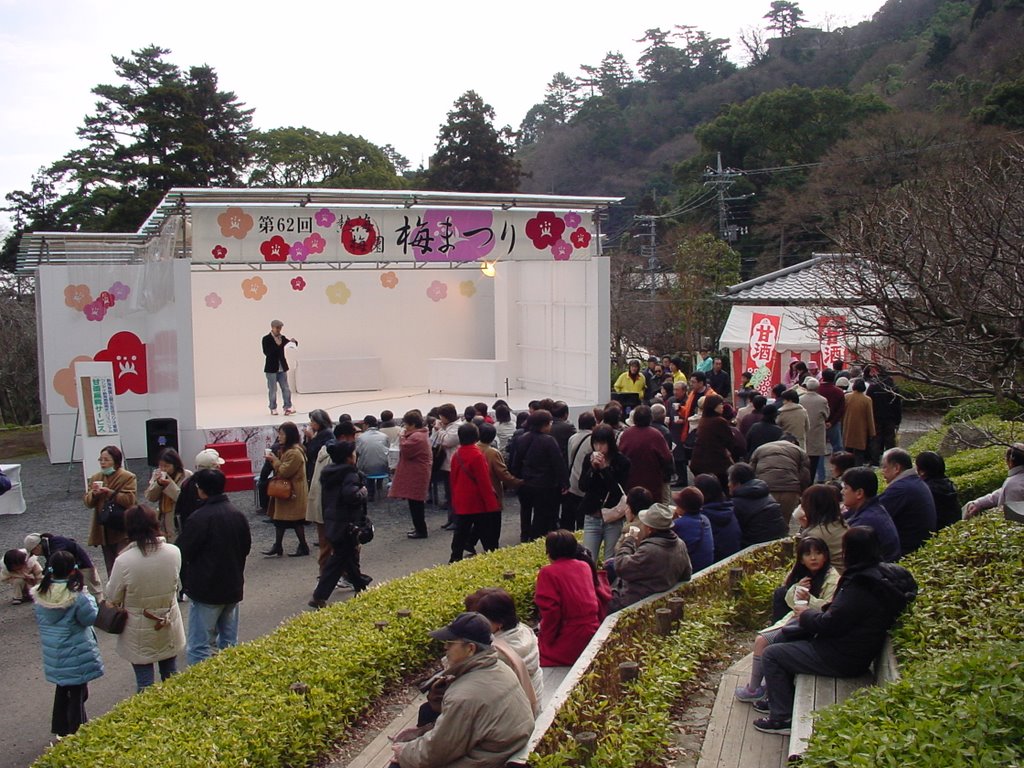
<point>276,367</point>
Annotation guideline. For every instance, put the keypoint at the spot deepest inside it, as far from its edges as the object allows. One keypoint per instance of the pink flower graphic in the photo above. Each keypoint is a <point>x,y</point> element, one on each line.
<point>275,249</point>
<point>235,222</point>
<point>299,251</point>
<point>580,238</point>
<point>219,251</point>
<point>213,300</point>
<point>95,311</point>
<point>389,280</point>
<point>314,243</point>
<point>338,293</point>
<point>77,296</point>
<point>254,288</point>
<point>561,250</point>
<point>572,220</point>
<point>437,291</point>
<point>324,218</point>
<point>106,299</point>
<point>120,291</point>
<point>545,229</point>
<point>298,283</point>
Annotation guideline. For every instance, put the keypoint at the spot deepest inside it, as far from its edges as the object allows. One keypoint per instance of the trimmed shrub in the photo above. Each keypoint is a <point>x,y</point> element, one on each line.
<point>961,697</point>
<point>968,410</point>
<point>238,709</point>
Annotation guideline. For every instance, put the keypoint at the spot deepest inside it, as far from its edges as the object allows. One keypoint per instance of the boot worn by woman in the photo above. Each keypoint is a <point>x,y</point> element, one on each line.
<point>302,551</point>
<point>275,551</point>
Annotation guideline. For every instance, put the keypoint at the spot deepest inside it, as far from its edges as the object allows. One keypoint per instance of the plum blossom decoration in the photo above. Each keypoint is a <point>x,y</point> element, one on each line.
<point>219,251</point>
<point>95,310</point>
<point>275,249</point>
<point>572,220</point>
<point>324,218</point>
<point>314,243</point>
<point>338,293</point>
<point>298,283</point>
<point>213,300</point>
<point>299,252</point>
<point>254,288</point>
<point>561,250</point>
<point>437,291</point>
<point>467,288</point>
<point>235,222</point>
<point>545,229</point>
<point>120,291</point>
<point>77,296</point>
<point>389,280</point>
<point>580,238</point>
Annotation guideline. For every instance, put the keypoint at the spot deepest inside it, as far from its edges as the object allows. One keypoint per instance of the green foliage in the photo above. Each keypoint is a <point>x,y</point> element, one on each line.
<point>237,709</point>
<point>959,645</point>
<point>473,156</point>
<point>784,17</point>
<point>918,394</point>
<point>982,406</point>
<point>302,157</point>
<point>633,721</point>
<point>1004,105</point>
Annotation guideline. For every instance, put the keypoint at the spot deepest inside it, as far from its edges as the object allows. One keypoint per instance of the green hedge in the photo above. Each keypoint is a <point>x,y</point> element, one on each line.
<point>633,722</point>
<point>969,410</point>
<point>975,471</point>
<point>961,698</point>
<point>237,709</point>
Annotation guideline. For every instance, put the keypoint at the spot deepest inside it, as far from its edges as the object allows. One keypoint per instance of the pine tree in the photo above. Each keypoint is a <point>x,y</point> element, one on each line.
<point>473,156</point>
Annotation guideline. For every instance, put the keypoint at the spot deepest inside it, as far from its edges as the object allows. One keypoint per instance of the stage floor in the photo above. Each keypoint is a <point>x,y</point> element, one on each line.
<point>251,410</point>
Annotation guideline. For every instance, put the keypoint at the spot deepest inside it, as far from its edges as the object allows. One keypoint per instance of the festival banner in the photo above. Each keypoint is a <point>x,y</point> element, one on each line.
<point>832,337</point>
<point>764,337</point>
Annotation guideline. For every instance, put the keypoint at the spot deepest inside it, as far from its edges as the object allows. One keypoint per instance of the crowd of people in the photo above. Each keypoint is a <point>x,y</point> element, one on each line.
<point>659,487</point>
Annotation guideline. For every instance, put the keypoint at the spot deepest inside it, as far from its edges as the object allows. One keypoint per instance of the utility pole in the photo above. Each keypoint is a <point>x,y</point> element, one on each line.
<point>721,179</point>
<point>649,249</point>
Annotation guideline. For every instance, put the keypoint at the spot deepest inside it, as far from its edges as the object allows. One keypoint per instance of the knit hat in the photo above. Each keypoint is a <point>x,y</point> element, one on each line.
<point>811,384</point>
<point>208,458</point>
<point>469,627</point>
<point>32,541</point>
<point>843,383</point>
<point>658,516</point>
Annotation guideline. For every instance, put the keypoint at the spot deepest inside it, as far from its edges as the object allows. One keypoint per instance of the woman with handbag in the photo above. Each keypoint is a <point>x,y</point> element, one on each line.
<point>109,493</point>
<point>71,656</point>
<point>165,487</point>
<point>602,480</point>
<point>145,583</point>
<point>288,491</point>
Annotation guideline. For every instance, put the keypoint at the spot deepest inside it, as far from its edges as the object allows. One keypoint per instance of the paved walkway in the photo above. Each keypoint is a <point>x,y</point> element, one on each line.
<point>731,740</point>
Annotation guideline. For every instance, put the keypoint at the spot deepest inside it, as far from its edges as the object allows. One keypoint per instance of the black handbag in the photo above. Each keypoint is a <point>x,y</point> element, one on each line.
<point>110,618</point>
<point>111,515</point>
<point>364,532</point>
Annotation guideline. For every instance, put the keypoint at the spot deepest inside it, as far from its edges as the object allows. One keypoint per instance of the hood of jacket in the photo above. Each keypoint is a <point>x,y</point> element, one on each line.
<point>753,489</point>
<point>892,583</point>
<point>57,596</point>
<point>719,511</point>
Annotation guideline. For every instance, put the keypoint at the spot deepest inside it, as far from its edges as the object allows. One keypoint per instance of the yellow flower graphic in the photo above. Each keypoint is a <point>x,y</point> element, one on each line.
<point>467,288</point>
<point>338,293</point>
<point>254,288</point>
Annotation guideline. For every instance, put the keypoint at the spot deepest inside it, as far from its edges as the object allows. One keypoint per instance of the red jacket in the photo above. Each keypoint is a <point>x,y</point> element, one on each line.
<point>569,611</point>
<point>472,491</point>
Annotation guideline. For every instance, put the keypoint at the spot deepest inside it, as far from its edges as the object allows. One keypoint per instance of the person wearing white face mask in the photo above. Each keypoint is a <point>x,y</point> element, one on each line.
<point>112,482</point>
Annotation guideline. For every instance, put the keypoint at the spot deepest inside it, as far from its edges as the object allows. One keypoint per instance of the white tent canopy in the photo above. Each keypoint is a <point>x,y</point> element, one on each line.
<point>799,328</point>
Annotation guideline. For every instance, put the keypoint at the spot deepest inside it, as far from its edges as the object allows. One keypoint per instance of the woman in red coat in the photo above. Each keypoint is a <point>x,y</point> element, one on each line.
<point>412,475</point>
<point>567,600</point>
<point>475,507</point>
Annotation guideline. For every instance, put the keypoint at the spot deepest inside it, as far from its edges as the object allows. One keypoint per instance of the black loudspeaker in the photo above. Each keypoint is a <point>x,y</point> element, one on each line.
<point>160,434</point>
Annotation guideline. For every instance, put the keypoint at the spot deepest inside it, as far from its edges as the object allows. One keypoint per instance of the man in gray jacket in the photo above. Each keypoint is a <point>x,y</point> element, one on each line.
<point>649,558</point>
<point>485,716</point>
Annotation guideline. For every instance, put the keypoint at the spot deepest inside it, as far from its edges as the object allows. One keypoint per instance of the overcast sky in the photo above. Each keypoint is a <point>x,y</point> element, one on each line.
<point>388,71</point>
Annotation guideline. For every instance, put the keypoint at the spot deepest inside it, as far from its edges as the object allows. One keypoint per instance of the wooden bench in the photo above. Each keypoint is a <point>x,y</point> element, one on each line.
<point>815,692</point>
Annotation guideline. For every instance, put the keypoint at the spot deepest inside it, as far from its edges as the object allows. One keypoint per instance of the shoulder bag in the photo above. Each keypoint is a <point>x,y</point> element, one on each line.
<point>110,618</point>
<point>280,488</point>
<point>111,514</point>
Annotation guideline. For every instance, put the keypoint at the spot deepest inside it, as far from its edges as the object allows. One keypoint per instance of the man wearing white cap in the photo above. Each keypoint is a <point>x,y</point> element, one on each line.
<point>649,558</point>
<point>188,497</point>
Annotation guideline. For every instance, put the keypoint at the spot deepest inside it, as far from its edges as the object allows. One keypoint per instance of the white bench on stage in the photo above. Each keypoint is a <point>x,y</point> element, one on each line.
<point>337,374</point>
<point>12,502</point>
<point>465,376</point>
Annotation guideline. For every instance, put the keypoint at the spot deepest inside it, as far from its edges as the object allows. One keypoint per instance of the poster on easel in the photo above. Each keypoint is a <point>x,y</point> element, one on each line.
<point>97,412</point>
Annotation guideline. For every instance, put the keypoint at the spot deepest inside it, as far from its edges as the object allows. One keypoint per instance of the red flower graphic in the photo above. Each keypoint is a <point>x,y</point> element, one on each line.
<point>545,229</point>
<point>128,355</point>
<point>275,249</point>
<point>359,235</point>
<point>95,310</point>
<point>389,280</point>
<point>219,251</point>
<point>235,222</point>
<point>106,298</point>
<point>298,283</point>
<point>580,238</point>
<point>314,243</point>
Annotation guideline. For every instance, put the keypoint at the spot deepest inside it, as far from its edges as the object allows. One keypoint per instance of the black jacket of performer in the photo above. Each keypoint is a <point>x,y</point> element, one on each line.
<point>343,506</point>
<point>276,361</point>
<point>214,543</point>
<point>849,632</point>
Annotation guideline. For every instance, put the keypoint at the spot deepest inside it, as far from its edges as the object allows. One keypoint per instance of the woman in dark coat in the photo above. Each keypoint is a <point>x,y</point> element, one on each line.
<point>711,453</point>
<point>539,463</point>
<point>603,482</point>
<point>932,469</point>
<point>765,430</point>
<point>318,434</point>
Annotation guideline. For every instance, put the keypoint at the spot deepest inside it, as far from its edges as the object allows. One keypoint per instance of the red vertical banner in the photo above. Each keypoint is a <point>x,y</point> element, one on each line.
<point>832,338</point>
<point>764,338</point>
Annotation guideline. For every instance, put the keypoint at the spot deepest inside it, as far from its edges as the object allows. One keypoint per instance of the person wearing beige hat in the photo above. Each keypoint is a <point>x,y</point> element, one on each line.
<point>649,558</point>
<point>188,497</point>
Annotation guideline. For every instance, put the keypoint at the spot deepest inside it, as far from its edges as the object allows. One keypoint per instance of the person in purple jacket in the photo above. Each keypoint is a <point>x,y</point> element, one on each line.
<point>860,497</point>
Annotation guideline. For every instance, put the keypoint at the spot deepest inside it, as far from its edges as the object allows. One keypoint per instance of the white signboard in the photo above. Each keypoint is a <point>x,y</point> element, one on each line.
<point>243,234</point>
<point>97,412</point>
